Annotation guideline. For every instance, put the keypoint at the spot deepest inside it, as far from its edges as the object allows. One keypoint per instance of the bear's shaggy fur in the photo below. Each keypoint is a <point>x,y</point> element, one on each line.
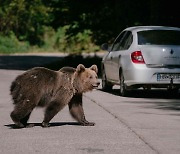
<point>53,90</point>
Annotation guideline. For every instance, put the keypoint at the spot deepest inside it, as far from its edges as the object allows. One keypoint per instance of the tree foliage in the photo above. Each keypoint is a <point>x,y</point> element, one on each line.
<point>25,18</point>
<point>95,21</point>
<point>106,18</point>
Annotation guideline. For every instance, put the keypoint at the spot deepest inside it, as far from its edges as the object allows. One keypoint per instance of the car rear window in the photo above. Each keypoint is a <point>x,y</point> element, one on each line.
<point>159,37</point>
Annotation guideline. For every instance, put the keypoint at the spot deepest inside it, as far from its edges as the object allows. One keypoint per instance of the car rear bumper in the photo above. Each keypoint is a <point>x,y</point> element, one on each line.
<point>142,75</point>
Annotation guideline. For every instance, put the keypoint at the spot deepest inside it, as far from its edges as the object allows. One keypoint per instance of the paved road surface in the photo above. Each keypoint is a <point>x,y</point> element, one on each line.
<point>145,123</point>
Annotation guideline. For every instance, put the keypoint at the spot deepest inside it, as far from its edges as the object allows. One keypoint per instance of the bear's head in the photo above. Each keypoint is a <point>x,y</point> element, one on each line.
<point>86,79</point>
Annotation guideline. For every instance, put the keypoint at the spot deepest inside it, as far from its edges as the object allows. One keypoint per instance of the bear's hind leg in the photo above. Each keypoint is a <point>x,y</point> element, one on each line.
<point>25,120</point>
<point>21,114</point>
<point>16,119</point>
<point>51,110</point>
<point>20,118</point>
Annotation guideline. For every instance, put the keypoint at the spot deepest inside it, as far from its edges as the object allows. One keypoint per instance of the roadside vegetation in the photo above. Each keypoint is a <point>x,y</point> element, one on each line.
<point>52,41</point>
<point>75,26</point>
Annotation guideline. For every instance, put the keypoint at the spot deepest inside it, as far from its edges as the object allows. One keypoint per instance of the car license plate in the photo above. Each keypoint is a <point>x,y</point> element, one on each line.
<point>168,77</point>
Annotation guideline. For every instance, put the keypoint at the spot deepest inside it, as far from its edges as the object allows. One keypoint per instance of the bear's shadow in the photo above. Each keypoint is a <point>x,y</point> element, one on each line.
<point>53,124</point>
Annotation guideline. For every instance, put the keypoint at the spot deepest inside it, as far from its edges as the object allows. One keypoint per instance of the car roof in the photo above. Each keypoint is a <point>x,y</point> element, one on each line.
<point>142,28</point>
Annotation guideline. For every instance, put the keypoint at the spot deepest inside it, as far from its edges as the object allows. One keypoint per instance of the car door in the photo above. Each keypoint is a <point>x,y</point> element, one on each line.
<point>117,53</point>
<point>109,68</point>
<point>107,65</point>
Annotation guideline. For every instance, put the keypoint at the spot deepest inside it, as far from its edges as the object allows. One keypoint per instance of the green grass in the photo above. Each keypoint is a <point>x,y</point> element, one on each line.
<point>10,44</point>
<point>53,41</point>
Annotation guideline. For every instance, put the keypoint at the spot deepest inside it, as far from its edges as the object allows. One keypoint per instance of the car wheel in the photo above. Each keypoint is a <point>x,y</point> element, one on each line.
<point>105,85</point>
<point>123,87</point>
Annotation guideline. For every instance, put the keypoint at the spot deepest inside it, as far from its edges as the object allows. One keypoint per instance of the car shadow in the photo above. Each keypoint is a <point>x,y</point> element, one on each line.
<point>155,93</point>
<point>53,124</point>
<point>161,99</point>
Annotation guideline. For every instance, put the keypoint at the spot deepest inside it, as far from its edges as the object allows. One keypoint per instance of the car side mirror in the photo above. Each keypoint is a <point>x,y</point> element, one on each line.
<point>105,46</point>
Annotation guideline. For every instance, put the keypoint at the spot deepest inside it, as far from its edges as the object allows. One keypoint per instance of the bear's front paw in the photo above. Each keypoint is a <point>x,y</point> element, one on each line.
<point>88,123</point>
<point>91,124</point>
<point>45,125</point>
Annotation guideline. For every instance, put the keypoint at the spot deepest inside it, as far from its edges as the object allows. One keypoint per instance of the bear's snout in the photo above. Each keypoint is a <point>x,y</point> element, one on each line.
<point>96,84</point>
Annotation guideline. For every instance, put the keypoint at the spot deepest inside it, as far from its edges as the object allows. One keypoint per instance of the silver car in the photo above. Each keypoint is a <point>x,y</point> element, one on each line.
<point>143,56</point>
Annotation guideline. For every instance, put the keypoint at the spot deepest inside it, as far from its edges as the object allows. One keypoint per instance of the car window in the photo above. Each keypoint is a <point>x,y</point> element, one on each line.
<point>159,37</point>
<point>129,41</point>
<point>126,42</point>
<point>123,42</point>
<point>117,42</point>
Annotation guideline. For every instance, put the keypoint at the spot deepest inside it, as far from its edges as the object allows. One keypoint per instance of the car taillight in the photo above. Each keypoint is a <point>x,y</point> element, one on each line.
<point>137,57</point>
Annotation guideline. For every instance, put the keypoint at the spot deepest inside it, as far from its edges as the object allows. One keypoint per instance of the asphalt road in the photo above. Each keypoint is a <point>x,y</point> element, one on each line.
<point>144,123</point>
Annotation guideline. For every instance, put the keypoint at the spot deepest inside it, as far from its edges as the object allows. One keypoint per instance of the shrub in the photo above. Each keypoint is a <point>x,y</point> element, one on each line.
<point>10,44</point>
<point>60,41</point>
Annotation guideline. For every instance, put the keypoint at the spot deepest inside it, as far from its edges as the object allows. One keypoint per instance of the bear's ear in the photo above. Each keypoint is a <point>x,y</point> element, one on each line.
<point>94,68</point>
<point>80,68</point>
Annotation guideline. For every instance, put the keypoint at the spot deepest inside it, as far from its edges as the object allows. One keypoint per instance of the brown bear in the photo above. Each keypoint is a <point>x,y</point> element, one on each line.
<point>53,90</point>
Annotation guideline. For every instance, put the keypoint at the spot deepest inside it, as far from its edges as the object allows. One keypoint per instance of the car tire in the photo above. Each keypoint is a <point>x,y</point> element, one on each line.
<point>123,88</point>
<point>105,85</point>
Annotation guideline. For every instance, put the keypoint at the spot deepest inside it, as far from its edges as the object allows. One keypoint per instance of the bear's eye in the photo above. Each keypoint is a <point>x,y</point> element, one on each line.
<point>91,77</point>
